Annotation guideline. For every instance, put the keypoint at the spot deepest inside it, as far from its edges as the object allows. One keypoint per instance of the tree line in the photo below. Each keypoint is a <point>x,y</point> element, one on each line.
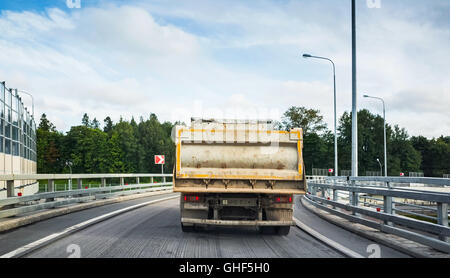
<point>122,147</point>
<point>405,153</point>
<point>130,146</point>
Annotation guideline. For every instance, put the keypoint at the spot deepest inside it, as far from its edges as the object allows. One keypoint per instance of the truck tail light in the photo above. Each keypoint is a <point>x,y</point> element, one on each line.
<point>283,199</point>
<point>192,198</point>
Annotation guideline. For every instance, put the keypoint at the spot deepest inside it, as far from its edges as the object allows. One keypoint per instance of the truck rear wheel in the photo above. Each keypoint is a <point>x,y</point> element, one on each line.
<point>267,230</point>
<point>187,229</point>
<point>283,230</point>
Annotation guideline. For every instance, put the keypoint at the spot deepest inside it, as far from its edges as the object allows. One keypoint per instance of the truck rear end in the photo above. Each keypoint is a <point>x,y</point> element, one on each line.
<point>238,173</point>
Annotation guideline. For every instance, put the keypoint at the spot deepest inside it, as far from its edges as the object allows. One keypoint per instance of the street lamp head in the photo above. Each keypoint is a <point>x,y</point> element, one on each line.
<point>306,56</point>
<point>378,160</point>
<point>366,96</point>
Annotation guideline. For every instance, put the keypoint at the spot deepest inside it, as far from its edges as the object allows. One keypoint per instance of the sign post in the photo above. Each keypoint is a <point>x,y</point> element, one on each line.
<point>160,159</point>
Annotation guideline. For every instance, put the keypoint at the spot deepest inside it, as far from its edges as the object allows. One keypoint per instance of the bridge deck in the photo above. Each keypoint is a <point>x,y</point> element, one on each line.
<point>154,231</point>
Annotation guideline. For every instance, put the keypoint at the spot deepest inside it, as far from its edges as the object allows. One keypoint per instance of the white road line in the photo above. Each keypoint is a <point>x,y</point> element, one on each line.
<point>48,239</point>
<point>348,252</point>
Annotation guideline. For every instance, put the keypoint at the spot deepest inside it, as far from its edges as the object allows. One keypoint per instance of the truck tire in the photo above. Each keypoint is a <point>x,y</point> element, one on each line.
<point>283,230</point>
<point>187,229</point>
<point>263,230</point>
<point>267,230</point>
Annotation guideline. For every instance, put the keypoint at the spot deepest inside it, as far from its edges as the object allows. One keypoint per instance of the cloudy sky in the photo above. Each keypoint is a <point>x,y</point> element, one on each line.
<point>226,58</point>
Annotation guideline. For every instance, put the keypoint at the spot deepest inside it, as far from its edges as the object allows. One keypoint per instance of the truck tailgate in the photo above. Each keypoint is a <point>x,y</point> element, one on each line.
<point>243,157</point>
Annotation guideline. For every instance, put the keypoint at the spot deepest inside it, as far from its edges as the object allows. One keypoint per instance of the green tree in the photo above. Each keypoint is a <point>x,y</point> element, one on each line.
<point>49,157</point>
<point>95,124</point>
<point>309,120</point>
<point>87,149</point>
<point>114,155</point>
<point>131,146</point>
<point>316,139</point>
<point>128,144</point>
<point>45,124</point>
<point>108,125</point>
<point>402,157</point>
<point>155,139</point>
<point>85,120</point>
<point>435,155</point>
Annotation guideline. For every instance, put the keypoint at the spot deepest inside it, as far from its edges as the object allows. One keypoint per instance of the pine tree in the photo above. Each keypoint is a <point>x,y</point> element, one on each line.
<point>85,120</point>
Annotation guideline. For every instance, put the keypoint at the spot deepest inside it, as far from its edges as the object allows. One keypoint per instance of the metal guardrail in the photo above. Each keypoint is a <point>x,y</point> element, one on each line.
<point>326,194</point>
<point>75,176</point>
<point>10,178</point>
<point>13,205</point>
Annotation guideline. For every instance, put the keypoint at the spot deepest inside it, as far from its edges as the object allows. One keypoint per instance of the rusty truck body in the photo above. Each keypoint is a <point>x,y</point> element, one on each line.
<point>238,173</point>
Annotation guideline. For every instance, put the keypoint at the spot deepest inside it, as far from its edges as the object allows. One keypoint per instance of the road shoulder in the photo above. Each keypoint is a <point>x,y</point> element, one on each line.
<point>20,221</point>
<point>395,242</point>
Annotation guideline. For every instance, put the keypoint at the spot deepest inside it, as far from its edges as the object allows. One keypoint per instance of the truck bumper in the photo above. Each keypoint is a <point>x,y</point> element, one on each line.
<point>235,222</point>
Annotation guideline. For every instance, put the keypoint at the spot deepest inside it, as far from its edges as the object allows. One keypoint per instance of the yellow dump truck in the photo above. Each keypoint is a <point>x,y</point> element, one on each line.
<point>238,173</point>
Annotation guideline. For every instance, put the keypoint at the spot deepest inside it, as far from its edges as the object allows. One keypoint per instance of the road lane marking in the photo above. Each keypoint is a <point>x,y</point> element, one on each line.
<point>346,251</point>
<point>21,251</point>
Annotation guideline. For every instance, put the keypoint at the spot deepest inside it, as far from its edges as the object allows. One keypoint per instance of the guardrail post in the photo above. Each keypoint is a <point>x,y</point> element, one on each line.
<point>388,205</point>
<point>79,185</point>
<point>103,182</point>
<point>10,188</point>
<point>151,180</point>
<point>122,181</point>
<point>354,198</point>
<point>51,188</point>
<point>164,179</point>
<point>349,192</point>
<point>51,185</point>
<point>334,197</point>
<point>137,180</point>
<point>9,193</point>
<point>354,201</point>
<point>442,217</point>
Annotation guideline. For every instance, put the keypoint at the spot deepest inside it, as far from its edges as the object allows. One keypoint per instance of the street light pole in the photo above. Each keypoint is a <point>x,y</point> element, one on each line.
<point>354,97</point>
<point>385,144</point>
<point>32,99</point>
<point>335,117</point>
<point>381,167</point>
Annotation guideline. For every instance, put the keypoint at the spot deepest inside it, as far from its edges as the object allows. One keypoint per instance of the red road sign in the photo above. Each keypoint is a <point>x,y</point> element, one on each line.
<point>330,170</point>
<point>159,159</point>
<point>402,174</point>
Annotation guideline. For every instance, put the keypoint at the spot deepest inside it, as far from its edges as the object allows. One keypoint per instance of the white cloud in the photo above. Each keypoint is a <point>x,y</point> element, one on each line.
<point>130,60</point>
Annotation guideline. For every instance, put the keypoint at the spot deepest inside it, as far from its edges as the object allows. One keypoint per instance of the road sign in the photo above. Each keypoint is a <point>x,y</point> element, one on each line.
<point>402,174</point>
<point>159,159</point>
<point>330,170</point>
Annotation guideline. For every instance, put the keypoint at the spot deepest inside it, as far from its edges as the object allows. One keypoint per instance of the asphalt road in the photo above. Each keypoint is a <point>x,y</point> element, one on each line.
<point>347,239</point>
<point>154,231</point>
<point>21,236</point>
